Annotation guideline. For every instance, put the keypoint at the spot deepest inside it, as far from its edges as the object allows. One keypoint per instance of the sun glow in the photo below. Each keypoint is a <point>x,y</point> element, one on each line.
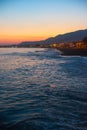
<point>14,39</point>
<point>34,20</point>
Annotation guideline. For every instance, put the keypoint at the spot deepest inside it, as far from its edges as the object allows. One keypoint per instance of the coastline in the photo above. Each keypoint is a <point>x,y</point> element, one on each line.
<point>73,51</point>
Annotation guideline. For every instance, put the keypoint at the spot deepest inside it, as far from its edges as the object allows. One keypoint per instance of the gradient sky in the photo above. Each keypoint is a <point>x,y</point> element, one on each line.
<point>30,20</point>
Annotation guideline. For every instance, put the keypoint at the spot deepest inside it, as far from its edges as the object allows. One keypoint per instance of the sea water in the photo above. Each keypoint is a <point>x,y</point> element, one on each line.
<point>42,90</point>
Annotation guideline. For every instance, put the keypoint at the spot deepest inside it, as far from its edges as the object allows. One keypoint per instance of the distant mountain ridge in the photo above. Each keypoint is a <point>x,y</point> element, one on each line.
<point>67,37</point>
<point>72,36</point>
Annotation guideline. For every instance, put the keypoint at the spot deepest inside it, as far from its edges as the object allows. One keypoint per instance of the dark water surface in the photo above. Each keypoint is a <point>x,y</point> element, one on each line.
<point>42,90</point>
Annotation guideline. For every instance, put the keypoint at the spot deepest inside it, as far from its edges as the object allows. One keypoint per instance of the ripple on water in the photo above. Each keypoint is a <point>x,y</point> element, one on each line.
<point>41,90</point>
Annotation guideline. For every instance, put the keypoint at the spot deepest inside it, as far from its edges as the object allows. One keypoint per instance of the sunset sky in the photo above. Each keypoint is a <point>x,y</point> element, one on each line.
<point>30,20</point>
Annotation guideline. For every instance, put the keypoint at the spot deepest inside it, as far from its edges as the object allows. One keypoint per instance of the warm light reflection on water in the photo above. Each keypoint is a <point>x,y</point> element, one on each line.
<point>15,58</point>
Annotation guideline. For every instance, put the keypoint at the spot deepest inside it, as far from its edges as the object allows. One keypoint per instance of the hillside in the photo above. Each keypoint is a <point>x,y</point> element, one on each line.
<point>68,37</point>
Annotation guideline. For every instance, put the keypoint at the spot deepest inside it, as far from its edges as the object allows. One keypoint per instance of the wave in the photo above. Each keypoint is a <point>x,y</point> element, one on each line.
<point>43,53</point>
<point>42,90</point>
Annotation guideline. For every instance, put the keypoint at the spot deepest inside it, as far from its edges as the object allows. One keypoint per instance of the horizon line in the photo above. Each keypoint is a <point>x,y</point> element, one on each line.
<point>16,43</point>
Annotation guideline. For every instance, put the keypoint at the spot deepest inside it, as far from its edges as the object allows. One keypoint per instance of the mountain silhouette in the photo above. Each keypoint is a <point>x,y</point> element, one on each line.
<point>67,37</point>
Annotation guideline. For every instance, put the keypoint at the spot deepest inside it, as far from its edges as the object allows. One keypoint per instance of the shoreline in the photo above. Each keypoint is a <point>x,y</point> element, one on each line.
<point>73,51</point>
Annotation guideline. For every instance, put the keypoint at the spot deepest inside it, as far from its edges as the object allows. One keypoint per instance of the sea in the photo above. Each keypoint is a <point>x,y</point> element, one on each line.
<point>40,89</point>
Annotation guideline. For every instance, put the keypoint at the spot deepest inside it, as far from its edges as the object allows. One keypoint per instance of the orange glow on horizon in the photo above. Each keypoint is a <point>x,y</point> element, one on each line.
<point>9,39</point>
<point>14,37</point>
<point>30,20</point>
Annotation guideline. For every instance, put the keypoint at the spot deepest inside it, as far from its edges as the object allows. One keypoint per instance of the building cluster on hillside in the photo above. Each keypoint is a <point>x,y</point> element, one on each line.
<point>76,44</point>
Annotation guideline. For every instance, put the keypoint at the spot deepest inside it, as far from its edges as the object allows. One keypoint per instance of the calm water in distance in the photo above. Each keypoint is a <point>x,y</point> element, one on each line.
<point>42,90</point>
